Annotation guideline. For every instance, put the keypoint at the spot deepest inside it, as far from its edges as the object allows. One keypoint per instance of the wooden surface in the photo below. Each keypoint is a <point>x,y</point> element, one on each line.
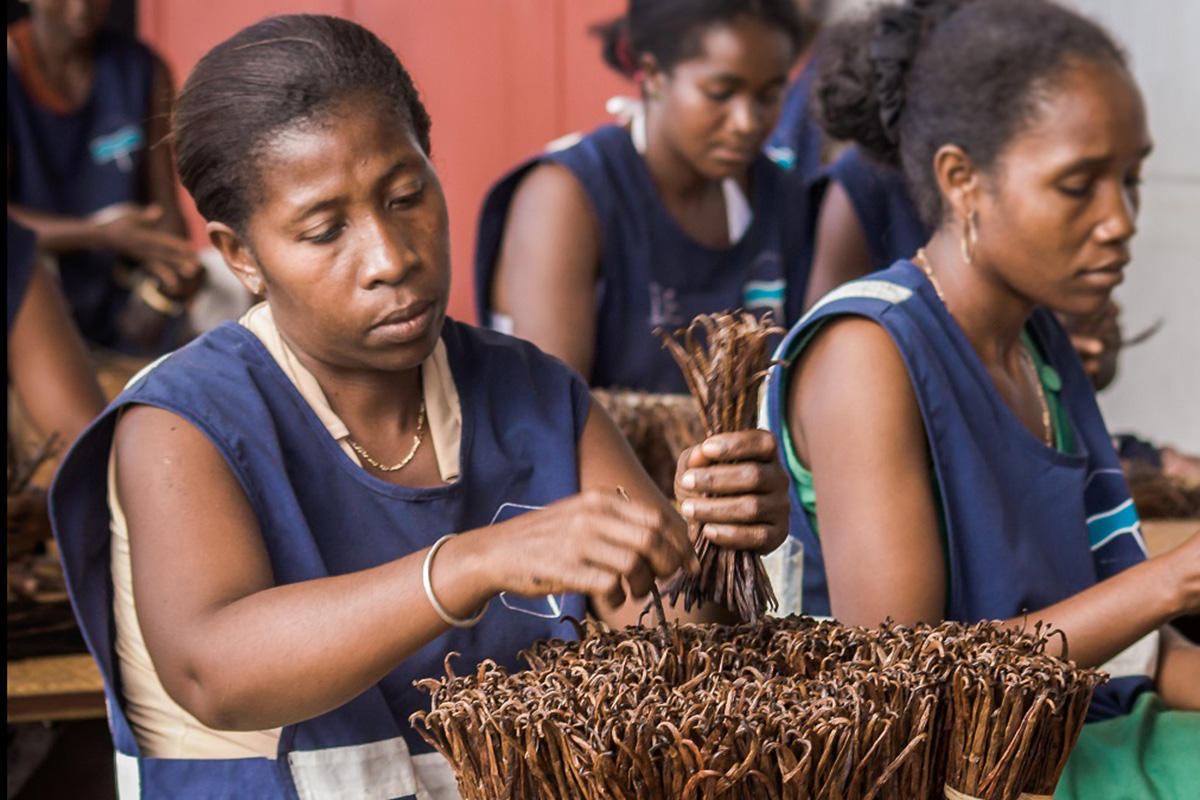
<point>54,688</point>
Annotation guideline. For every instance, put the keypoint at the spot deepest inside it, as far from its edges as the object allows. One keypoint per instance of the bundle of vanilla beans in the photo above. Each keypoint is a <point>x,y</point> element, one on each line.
<point>659,427</point>
<point>788,708</point>
<point>724,358</point>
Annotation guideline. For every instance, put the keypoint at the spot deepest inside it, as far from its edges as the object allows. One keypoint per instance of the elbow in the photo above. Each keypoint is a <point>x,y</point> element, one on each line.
<point>215,703</point>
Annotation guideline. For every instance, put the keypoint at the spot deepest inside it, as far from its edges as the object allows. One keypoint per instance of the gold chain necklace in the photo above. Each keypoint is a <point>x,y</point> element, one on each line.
<point>417,439</point>
<point>922,261</point>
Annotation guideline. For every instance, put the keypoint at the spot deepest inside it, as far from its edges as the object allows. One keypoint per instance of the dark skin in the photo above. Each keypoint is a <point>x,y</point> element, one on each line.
<point>349,245</point>
<point>841,255</point>
<point>152,235</point>
<point>48,367</point>
<point>706,120</point>
<point>1055,217</point>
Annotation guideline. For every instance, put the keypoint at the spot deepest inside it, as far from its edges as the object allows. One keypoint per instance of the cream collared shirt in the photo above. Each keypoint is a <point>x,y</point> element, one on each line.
<point>162,727</point>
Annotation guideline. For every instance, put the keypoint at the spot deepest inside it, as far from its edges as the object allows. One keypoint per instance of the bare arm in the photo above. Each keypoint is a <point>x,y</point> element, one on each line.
<point>233,648</point>
<point>161,188</point>
<point>48,363</point>
<point>546,275</point>
<point>840,253</point>
<point>1179,671</point>
<point>856,423</point>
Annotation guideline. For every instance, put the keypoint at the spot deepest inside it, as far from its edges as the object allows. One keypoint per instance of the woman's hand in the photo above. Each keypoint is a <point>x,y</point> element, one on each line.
<point>1097,340</point>
<point>136,234</point>
<point>588,543</point>
<point>734,487</point>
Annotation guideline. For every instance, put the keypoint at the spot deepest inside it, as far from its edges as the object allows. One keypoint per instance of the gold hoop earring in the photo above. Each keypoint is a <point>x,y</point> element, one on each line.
<point>970,238</point>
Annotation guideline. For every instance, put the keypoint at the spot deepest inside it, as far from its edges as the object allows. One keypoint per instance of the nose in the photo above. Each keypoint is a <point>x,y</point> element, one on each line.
<point>746,117</point>
<point>387,255</point>
<point>1119,222</point>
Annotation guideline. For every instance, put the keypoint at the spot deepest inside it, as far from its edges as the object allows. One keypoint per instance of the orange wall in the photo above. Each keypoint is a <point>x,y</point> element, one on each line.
<point>500,79</point>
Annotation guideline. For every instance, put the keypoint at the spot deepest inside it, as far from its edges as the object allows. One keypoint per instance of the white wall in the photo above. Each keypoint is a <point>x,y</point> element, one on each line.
<point>1157,391</point>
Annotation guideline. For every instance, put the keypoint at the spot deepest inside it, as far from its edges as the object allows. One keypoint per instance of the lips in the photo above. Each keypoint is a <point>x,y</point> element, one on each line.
<point>407,323</point>
<point>1106,276</point>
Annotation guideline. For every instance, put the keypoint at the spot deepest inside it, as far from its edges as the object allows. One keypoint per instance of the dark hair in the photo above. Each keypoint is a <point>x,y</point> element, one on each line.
<point>281,72</point>
<point>910,78</point>
<point>670,29</point>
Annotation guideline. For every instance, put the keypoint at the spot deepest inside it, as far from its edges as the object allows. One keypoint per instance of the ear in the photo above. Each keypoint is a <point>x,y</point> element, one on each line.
<point>239,256</point>
<point>959,180</point>
<point>653,77</point>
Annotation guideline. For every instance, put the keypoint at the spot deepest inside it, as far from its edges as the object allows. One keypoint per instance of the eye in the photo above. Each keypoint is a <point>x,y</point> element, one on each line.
<point>1076,189</point>
<point>326,236</point>
<point>407,197</point>
<point>718,95</point>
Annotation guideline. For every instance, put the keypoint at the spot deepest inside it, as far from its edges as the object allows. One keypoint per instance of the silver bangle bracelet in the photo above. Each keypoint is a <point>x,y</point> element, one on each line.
<point>446,616</point>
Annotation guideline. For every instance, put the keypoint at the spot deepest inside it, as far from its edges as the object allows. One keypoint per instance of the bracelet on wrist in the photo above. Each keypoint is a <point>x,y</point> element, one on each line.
<point>446,616</point>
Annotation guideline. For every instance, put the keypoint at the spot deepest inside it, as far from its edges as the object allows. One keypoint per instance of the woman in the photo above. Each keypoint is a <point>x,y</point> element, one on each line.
<point>947,457</point>
<point>85,109</point>
<point>312,508</point>
<point>586,251</point>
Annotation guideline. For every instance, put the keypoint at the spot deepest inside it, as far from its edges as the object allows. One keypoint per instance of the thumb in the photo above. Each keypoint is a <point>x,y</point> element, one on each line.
<point>151,213</point>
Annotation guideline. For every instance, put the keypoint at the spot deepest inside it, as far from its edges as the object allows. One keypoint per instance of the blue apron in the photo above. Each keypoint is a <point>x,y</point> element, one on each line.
<point>21,248</point>
<point>796,143</point>
<point>1026,525</point>
<point>891,226</point>
<point>78,163</point>
<point>652,274</point>
<point>320,514</point>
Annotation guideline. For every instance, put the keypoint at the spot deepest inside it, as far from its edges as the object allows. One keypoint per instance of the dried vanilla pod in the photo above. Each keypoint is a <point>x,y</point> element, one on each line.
<point>724,358</point>
<point>789,708</point>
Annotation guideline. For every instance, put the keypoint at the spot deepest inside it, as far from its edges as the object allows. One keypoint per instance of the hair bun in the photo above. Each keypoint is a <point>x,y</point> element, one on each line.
<point>893,45</point>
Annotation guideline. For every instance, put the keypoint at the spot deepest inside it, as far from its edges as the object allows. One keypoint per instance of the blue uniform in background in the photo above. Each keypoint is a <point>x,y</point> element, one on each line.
<point>78,163</point>
<point>321,514</point>
<point>797,141</point>
<point>652,274</point>
<point>890,224</point>
<point>21,247</point>
<point>1026,525</point>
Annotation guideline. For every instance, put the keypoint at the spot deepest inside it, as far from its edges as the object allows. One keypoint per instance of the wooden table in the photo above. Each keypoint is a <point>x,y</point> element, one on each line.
<point>54,688</point>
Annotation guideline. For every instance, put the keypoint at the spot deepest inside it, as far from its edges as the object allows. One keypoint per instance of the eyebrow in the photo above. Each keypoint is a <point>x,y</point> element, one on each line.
<point>1096,161</point>
<point>333,202</point>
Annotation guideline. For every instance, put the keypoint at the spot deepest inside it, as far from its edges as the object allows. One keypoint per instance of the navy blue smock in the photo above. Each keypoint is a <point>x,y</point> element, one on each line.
<point>321,514</point>
<point>891,225</point>
<point>1026,526</point>
<point>78,163</point>
<point>797,141</point>
<point>652,274</point>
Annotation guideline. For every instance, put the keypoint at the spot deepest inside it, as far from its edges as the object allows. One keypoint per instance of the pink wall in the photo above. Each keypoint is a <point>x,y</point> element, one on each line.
<point>500,78</point>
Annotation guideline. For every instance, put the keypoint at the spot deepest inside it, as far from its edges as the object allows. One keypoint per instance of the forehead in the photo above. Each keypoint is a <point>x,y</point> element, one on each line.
<point>741,46</point>
<point>1089,111</point>
<point>346,148</point>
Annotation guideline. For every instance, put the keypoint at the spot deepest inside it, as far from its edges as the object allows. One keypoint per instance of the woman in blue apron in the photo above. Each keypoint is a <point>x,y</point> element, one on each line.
<point>588,250</point>
<point>86,108</point>
<point>947,457</point>
<point>275,530</point>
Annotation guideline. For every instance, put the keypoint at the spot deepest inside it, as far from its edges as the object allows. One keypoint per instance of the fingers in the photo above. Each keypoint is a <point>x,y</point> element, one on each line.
<point>746,477</point>
<point>755,445</point>
<point>1088,346</point>
<point>644,531</point>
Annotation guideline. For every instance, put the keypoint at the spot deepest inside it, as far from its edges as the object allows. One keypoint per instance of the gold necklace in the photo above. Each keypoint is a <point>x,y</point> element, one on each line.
<point>922,261</point>
<point>417,439</point>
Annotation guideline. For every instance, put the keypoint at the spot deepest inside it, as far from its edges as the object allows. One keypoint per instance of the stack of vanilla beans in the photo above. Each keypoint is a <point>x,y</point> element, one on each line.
<point>787,708</point>
<point>724,358</point>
